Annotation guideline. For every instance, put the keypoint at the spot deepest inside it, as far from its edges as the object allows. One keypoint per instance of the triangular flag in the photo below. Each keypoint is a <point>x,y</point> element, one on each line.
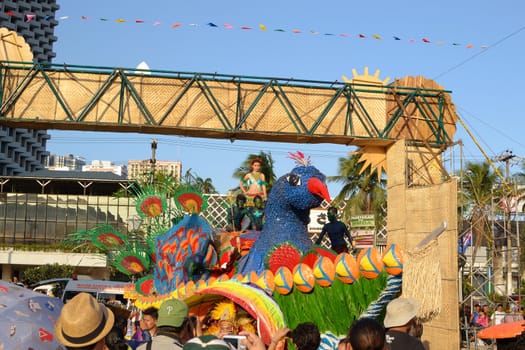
<point>456,44</point>
<point>63,17</point>
<point>262,26</point>
<point>469,46</point>
<point>10,13</point>
<point>377,37</point>
<point>362,36</point>
<point>296,31</point>
<point>411,41</point>
<point>194,25</point>
<point>313,32</point>
<point>279,30</point>
<point>157,23</point>
<point>425,40</point>
<point>245,28</point>
<point>104,19</point>
<point>120,20</point>
<point>329,34</point>
<point>344,35</point>
<point>175,25</point>
<point>212,24</point>
<point>439,42</point>
<point>84,17</point>
<point>484,46</point>
<point>397,38</point>
<point>47,17</point>
<point>139,21</point>
<point>228,26</point>
<point>30,17</point>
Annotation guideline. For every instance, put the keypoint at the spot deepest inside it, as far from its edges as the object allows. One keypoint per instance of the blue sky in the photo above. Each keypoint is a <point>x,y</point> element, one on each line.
<point>487,84</point>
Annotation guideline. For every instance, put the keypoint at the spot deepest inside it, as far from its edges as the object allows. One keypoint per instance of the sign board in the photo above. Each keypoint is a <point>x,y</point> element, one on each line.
<point>362,229</point>
<point>363,238</point>
<point>366,220</point>
<point>318,218</point>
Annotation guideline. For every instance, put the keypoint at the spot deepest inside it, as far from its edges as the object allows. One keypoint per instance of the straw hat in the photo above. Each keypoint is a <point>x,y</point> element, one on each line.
<point>400,311</point>
<point>83,321</point>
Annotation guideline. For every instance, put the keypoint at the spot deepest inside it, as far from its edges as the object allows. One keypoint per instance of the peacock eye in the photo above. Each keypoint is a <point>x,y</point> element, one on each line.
<point>294,179</point>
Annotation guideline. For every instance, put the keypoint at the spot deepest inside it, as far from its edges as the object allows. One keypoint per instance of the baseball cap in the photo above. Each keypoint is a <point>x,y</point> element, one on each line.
<point>172,313</point>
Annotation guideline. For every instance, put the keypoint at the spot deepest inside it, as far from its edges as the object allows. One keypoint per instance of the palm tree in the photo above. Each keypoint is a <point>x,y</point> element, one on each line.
<point>479,189</point>
<point>363,190</point>
<point>204,185</point>
<point>266,169</point>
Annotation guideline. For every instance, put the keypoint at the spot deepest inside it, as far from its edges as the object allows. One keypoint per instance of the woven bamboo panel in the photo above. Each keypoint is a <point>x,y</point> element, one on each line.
<point>412,124</point>
<point>412,214</point>
<point>193,107</point>
<point>424,166</point>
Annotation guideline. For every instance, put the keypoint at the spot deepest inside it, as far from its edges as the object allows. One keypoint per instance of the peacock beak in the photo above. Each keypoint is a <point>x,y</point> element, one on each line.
<point>318,188</point>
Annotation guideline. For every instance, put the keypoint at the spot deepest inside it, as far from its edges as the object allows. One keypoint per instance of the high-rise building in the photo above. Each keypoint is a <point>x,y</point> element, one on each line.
<point>35,21</point>
<point>67,162</point>
<point>106,166</point>
<point>24,150</point>
<point>139,168</point>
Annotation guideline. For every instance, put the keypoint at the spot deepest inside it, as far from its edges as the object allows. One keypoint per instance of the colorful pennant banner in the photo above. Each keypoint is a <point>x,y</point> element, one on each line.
<point>28,17</point>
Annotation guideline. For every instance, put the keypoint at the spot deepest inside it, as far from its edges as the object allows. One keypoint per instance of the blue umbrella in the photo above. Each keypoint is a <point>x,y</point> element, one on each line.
<point>28,319</point>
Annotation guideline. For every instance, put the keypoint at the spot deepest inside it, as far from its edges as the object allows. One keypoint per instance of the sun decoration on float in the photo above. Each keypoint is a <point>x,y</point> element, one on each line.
<point>371,155</point>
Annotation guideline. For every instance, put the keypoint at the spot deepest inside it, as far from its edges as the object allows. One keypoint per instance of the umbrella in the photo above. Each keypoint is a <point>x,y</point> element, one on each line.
<point>503,330</point>
<point>28,319</point>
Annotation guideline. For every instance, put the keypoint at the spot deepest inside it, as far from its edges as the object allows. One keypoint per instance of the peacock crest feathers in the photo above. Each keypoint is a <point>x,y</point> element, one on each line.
<point>300,158</point>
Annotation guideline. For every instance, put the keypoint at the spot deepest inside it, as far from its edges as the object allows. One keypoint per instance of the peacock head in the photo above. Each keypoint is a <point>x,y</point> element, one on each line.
<point>304,187</point>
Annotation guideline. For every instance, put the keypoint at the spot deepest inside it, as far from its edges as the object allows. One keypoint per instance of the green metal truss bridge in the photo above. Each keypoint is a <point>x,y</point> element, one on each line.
<point>69,97</point>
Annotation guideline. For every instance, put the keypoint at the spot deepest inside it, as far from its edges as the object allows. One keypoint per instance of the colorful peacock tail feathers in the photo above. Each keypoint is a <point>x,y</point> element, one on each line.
<point>190,200</point>
<point>151,203</point>
<point>145,285</point>
<point>131,262</point>
<point>300,158</point>
<point>78,237</point>
<point>106,237</point>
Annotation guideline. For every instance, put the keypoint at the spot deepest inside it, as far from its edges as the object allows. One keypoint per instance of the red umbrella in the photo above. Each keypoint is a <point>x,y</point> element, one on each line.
<point>504,330</point>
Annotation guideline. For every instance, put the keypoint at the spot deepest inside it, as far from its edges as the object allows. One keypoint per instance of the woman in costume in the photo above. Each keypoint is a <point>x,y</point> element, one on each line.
<point>254,183</point>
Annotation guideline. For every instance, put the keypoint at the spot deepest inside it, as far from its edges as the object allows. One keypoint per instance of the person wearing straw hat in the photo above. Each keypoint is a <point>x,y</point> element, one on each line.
<point>173,313</point>
<point>84,323</point>
<point>400,321</point>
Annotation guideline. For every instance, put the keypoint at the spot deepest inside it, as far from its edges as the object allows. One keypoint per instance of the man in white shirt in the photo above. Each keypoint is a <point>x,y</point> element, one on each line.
<point>498,315</point>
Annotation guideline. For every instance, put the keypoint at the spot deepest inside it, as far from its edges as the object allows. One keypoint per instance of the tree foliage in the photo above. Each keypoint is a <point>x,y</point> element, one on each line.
<point>363,190</point>
<point>204,185</point>
<point>479,190</point>
<point>48,271</point>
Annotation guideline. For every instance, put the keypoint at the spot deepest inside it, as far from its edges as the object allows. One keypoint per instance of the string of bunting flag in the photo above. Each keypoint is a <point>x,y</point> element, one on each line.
<point>31,17</point>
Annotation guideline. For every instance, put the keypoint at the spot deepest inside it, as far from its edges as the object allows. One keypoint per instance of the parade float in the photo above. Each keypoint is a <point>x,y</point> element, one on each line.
<point>404,126</point>
<point>259,281</point>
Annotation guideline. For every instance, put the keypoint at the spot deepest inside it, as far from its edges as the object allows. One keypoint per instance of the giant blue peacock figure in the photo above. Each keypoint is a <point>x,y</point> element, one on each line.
<point>287,214</point>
